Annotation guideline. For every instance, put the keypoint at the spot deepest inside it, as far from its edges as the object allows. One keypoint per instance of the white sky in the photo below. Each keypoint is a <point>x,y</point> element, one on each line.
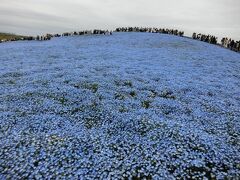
<point>217,17</point>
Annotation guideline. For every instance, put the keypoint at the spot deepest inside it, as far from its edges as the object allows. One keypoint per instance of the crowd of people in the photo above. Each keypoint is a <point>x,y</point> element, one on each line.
<point>75,33</point>
<point>150,30</point>
<point>230,44</point>
<point>225,42</point>
<point>95,31</point>
<point>44,38</point>
<point>206,38</point>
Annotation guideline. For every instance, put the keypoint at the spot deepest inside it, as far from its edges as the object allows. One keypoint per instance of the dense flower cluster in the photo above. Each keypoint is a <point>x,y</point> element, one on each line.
<point>132,105</point>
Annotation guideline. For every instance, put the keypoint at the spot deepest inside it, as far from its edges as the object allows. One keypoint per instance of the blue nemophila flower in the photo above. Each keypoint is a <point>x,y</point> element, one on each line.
<point>119,107</point>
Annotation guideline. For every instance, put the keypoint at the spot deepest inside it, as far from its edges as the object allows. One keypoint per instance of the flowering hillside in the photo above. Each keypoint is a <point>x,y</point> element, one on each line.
<point>131,105</point>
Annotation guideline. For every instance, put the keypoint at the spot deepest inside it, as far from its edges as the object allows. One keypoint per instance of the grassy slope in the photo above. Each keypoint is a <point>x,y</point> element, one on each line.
<point>9,36</point>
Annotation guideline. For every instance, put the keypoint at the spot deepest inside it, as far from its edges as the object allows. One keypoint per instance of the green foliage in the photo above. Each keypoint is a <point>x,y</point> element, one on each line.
<point>90,86</point>
<point>168,94</point>
<point>123,109</point>
<point>62,100</point>
<point>133,93</point>
<point>127,83</point>
<point>146,104</point>
<point>119,96</point>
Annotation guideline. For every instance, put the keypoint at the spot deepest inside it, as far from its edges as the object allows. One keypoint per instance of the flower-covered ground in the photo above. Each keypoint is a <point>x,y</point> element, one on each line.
<point>131,105</point>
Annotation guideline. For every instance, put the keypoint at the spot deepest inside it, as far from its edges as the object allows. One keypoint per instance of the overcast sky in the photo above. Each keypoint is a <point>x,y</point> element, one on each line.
<point>217,17</point>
